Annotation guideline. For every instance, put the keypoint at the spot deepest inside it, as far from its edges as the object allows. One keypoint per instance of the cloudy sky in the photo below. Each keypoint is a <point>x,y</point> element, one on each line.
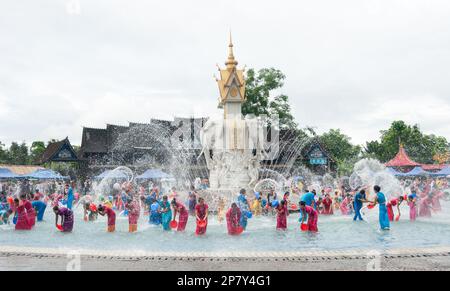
<point>353,64</point>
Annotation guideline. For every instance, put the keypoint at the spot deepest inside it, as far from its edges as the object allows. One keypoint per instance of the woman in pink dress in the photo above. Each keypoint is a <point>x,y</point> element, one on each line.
<point>344,205</point>
<point>425,207</point>
<point>201,212</point>
<point>412,208</point>
<point>327,205</point>
<point>23,222</point>
<point>313,216</point>
<point>435,201</point>
<point>233,218</point>
<point>179,208</point>
<point>282,215</point>
<point>31,213</point>
<point>134,210</point>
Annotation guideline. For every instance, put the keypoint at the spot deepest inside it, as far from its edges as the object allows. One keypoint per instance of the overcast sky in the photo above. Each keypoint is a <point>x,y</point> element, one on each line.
<point>350,64</point>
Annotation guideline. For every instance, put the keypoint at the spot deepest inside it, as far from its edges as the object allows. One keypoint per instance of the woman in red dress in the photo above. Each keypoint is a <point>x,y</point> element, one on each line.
<point>312,214</point>
<point>111,215</point>
<point>31,213</point>
<point>201,211</point>
<point>179,208</point>
<point>282,215</point>
<point>233,219</point>
<point>23,222</point>
<point>395,202</point>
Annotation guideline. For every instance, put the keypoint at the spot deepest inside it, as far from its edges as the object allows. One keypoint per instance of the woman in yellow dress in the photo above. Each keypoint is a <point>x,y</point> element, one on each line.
<point>256,205</point>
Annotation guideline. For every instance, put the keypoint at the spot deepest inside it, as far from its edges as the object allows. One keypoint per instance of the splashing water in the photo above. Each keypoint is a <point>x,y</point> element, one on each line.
<point>111,181</point>
<point>370,172</point>
<point>266,185</point>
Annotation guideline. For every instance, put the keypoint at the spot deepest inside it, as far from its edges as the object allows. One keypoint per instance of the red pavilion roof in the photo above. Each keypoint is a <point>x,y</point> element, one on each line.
<point>434,167</point>
<point>402,160</point>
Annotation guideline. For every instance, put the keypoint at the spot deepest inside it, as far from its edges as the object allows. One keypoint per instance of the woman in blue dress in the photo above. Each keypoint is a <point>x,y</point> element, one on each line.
<point>166,213</point>
<point>245,208</point>
<point>155,214</point>
<point>381,200</point>
<point>39,206</point>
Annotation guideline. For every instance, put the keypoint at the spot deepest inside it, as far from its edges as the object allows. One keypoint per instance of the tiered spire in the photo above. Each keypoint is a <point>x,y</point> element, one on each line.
<point>231,63</point>
<point>231,82</point>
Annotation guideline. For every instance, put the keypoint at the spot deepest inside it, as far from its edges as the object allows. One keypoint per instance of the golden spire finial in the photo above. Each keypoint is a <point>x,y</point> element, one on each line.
<point>231,62</point>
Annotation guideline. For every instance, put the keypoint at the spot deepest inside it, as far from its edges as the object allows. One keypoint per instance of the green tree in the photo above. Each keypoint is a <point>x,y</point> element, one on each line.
<point>259,86</point>
<point>3,154</point>
<point>18,154</point>
<point>52,141</point>
<point>36,150</point>
<point>420,147</point>
<point>339,146</point>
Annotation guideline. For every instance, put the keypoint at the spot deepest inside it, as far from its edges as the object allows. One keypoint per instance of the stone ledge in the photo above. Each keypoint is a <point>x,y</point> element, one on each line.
<point>9,251</point>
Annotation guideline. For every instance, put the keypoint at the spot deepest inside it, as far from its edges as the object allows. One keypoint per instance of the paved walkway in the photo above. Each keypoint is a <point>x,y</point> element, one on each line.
<point>404,259</point>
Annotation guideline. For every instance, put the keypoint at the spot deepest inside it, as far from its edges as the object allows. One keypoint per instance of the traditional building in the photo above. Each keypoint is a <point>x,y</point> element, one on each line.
<point>138,144</point>
<point>59,152</point>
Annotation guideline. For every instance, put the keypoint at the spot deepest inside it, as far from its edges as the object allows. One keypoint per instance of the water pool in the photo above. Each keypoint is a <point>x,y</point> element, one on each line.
<point>336,233</point>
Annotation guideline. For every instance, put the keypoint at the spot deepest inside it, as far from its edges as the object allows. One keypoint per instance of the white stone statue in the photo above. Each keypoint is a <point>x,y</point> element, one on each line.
<point>253,170</point>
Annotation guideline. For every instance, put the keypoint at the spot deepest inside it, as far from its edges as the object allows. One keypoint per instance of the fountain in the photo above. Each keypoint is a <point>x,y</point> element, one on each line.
<point>233,146</point>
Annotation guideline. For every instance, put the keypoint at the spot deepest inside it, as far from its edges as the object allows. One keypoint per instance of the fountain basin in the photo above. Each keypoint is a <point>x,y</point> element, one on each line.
<point>337,233</point>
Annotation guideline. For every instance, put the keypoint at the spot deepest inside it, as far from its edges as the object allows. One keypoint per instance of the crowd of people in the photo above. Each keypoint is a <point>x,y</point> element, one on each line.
<point>25,204</point>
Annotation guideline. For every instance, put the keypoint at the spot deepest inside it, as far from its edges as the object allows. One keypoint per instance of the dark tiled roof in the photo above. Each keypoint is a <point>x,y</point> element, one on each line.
<point>94,140</point>
<point>113,133</point>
